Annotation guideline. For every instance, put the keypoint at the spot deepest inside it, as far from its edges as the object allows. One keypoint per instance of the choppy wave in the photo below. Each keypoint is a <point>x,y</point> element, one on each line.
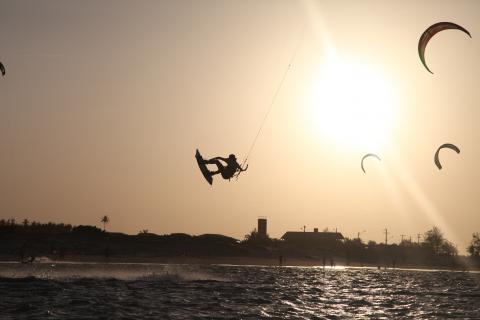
<point>119,271</point>
<point>151,291</point>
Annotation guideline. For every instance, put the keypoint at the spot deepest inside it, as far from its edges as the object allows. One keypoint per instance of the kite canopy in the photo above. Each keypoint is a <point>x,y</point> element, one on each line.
<point>448,146</point>
<point>366,156</point>
<point>430,32</point>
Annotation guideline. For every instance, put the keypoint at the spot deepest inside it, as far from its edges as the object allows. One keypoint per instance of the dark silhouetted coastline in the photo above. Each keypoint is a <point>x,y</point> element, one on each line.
<point>22,241</point>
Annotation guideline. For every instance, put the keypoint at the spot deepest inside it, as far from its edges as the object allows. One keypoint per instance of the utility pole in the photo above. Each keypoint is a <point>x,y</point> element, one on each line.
<point>418,238</point>
<point>386,236</point>
<point>304,227</point>
<point>402,235</point>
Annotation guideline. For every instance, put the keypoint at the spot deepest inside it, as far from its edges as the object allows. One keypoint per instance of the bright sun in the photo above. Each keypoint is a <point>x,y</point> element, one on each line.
<point>353,105</point>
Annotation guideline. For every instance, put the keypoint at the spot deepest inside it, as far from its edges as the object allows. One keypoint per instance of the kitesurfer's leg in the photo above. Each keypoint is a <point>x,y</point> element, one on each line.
<point>219,165</point>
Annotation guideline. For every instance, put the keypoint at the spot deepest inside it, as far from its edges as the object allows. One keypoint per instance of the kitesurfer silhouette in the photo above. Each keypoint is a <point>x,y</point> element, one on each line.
<point>227,171</point>
<point>227,167</point>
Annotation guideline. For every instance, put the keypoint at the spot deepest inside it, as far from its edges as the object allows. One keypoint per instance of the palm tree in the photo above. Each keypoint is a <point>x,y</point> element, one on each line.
<point>105,220</point>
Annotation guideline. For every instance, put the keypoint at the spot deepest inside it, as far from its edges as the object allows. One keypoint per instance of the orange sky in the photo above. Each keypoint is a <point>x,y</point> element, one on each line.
<point>104,104</point>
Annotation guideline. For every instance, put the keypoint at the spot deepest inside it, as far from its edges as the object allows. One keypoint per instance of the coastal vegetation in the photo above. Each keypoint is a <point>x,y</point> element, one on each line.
<point>63,241</point>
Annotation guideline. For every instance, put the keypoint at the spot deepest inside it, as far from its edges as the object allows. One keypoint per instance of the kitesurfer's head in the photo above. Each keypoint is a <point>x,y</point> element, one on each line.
<point>232,157</point>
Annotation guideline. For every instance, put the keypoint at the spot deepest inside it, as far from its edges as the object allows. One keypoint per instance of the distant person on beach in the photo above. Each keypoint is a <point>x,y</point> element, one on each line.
<point>23,250</point>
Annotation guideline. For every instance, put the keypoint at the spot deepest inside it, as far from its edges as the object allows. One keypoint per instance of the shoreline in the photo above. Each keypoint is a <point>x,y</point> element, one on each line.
<point>234,261</point>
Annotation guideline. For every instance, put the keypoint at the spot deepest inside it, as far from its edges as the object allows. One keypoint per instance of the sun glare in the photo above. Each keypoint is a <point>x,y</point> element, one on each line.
<point>352,105</point>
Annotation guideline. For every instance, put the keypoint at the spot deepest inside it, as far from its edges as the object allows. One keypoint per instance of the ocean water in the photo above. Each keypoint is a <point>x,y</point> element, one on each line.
<point>155,291</point>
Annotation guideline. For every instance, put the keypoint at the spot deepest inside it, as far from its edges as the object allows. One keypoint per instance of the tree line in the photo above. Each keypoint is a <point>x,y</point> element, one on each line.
<point>12,226</point>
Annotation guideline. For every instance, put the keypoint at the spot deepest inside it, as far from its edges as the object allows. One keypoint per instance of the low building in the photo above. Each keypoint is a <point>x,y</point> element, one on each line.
<point>313,239</point>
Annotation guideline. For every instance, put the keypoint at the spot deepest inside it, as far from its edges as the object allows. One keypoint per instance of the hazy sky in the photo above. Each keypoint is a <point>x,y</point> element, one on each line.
<point>105,102</point>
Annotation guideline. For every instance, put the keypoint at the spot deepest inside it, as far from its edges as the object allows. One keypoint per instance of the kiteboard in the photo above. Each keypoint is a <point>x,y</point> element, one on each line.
<point>203,167</point>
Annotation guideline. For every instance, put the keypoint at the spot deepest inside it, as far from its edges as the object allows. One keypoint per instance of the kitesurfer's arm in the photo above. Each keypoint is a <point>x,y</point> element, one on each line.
<point>241,169</point>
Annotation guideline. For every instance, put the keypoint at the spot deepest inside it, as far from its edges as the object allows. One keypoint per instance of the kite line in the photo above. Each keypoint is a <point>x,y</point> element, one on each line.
<point>274,99</point>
